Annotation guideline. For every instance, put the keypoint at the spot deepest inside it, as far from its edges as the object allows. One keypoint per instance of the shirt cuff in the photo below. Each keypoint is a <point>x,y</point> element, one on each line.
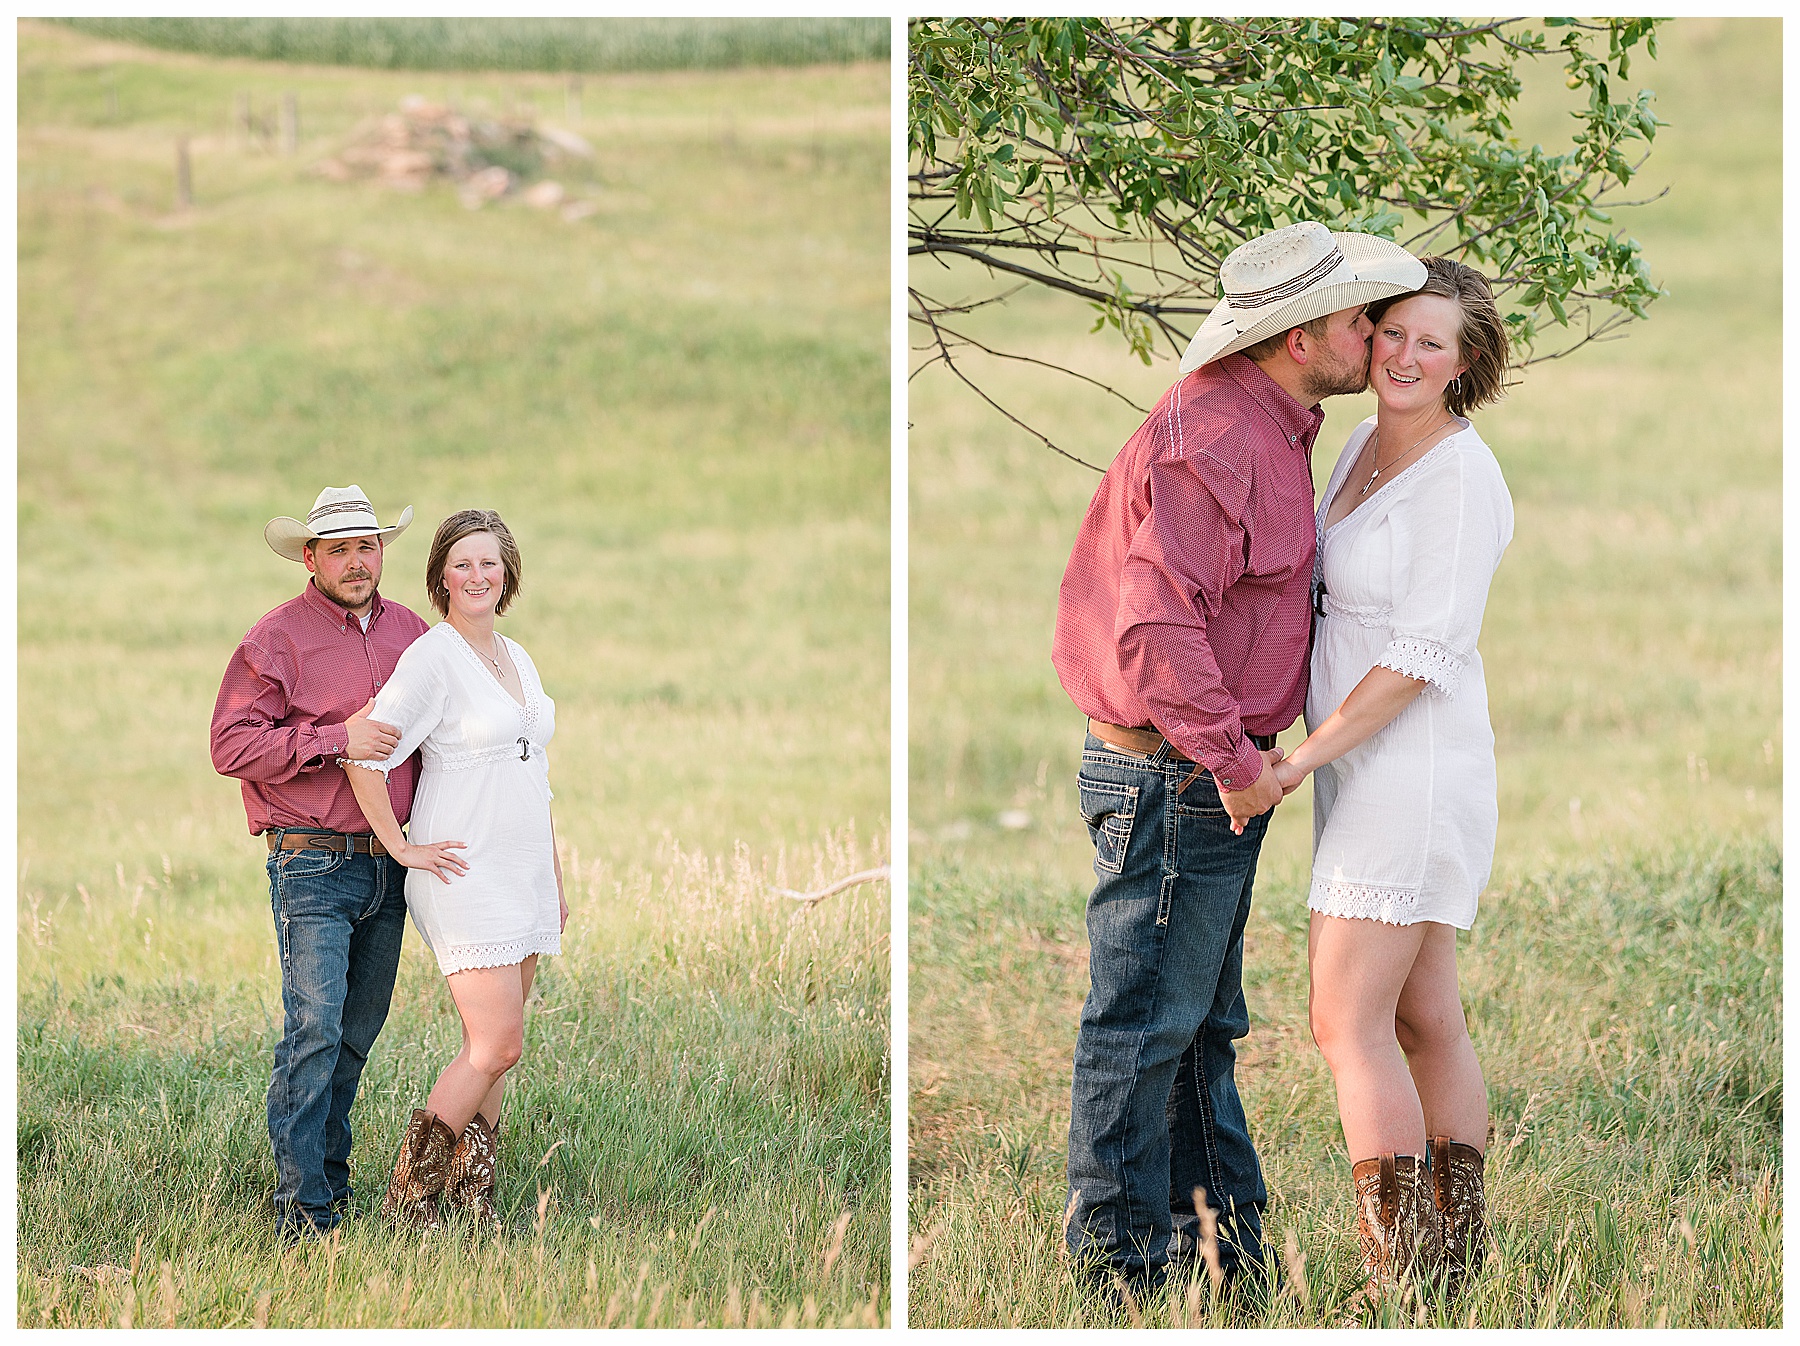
<point>1241,772</point>
<point>328,744</point>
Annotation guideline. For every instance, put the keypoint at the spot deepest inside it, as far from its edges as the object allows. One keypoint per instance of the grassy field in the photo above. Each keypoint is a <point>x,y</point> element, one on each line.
<point>679,403</point>
<point>1623,982</point>
<point>513,44</point>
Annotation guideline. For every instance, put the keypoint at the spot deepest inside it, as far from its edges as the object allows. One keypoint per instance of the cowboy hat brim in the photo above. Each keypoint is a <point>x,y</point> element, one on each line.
<point>288,537</point>
<point>1376,269</point>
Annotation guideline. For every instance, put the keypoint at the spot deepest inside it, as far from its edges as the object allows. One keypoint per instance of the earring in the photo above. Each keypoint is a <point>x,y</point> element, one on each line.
<point>1456,385</point>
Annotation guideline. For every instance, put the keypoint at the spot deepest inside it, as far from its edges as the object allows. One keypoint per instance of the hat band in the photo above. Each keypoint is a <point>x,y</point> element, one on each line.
<point>350,529</point>
<point>340,507</point>
<point>1288,288</point>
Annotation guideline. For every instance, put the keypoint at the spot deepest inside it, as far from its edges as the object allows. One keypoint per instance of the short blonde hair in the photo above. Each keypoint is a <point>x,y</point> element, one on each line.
<point>466,523</point>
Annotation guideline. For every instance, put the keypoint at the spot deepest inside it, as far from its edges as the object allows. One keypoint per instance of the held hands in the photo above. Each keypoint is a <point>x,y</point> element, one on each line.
<point>369,740</point>
<point>1289,777</point>
<point>436,857</point>
<point>1261,795</point>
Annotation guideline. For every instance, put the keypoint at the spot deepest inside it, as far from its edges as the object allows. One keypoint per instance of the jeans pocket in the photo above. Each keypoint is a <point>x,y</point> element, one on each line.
<point>310,863</point>
<point>1109,809</point>
<point>1201,799</point>
<point>306,876</point>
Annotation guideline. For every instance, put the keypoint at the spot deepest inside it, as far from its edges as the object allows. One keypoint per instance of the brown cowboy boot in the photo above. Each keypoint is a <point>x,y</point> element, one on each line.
<point>419,1173</point>
<point>1401,1232</point>
<point>470,1186</point>
<point>1456,1181</point>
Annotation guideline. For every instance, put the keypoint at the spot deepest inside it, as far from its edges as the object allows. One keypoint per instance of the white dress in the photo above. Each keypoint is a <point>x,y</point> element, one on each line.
<point>484,780</point>
<point>1403,826</point>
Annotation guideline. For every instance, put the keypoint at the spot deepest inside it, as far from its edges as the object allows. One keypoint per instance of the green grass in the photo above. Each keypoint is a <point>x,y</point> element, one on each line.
<point>512,44</point>
<point>1627,1012</point>
<point>1632,647</point>
<point>680,405</point>
<point>697,1109</point>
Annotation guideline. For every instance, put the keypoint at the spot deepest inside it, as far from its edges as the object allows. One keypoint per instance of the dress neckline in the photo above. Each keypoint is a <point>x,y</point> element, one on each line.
<point>487,671</point>
<point>1338,482</point>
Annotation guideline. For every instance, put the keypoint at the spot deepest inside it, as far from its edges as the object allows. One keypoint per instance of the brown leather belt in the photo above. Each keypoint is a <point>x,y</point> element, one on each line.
<point>1149,742</point>
<point>349,843</point>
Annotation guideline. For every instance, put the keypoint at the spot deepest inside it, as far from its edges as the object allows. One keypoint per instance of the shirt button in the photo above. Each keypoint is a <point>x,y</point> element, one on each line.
<point>1225,780</point>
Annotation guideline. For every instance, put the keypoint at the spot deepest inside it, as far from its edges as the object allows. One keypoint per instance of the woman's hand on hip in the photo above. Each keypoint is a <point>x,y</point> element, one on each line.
<point>436,857</point>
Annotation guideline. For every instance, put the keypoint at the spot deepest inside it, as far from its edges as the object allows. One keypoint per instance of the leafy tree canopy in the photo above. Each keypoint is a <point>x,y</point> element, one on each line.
<point>1120,160</point>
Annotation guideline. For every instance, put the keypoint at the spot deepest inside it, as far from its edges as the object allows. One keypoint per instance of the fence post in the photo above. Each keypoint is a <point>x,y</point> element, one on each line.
<point>572,99</point>
<point>290,124</point>
<point>184,178</point>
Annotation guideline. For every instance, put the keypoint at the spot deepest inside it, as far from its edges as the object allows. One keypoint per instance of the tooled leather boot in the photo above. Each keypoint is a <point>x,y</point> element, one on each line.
<point>1456,1182</point>
<point>420,1172</point>
<point>1397,1222</point>
<point>470,1186</point>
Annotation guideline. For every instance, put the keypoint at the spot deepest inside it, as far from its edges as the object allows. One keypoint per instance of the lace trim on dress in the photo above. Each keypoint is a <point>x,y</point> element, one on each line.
<point>463,957</point>
<point>528,713</point>
<point>1366,901</point>
<point>463,761</point>
<point>1361,614</point>
<point>1437,664</point>
<point>528,717</point>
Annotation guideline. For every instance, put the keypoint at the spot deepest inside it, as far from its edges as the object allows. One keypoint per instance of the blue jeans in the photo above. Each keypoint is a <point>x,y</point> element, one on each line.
<point>339,921</point>
<point>1154,1112</point>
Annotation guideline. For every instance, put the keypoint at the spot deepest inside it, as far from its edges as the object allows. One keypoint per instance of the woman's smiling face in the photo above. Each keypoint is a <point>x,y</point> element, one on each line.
<point>1415,352</point>
<point>475,575</point>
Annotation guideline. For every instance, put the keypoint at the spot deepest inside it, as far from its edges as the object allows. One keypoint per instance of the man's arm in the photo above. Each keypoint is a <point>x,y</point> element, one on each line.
<point>1187,552</point>
<point>250,742</point>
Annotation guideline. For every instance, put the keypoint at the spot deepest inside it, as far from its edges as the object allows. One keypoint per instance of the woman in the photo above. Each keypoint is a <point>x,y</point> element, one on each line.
<point>472,701</point>
<point>1410,530</point>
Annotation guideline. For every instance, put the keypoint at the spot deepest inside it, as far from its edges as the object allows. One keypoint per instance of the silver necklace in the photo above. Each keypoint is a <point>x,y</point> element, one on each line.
<point>491,658</point>
<point>1379,469</point>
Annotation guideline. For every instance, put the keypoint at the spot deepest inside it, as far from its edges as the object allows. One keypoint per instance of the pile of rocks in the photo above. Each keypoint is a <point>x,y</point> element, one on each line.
<point>487,158</point>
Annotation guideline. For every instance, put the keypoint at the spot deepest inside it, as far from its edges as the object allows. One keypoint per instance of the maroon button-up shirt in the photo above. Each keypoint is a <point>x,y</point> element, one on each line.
<point>1185,605</point>
<point>278,725</point>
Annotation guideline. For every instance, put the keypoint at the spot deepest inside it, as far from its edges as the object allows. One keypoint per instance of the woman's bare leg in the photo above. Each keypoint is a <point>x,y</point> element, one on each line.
<point>1359,968</point>
<point>1429,1024</point>
<point>490,1106</point>
<point>492,1006</point>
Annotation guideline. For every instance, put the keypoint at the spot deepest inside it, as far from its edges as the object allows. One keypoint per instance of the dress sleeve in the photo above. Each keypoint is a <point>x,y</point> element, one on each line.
<point>1457,526</point>
<point>414,701</point>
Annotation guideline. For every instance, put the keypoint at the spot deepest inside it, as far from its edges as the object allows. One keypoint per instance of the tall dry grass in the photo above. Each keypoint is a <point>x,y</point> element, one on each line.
<point>690,1138</point>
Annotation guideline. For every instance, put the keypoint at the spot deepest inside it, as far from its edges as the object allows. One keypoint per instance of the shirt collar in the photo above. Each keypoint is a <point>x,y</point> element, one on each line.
<point>1298,424</point>
<point>339,616</point>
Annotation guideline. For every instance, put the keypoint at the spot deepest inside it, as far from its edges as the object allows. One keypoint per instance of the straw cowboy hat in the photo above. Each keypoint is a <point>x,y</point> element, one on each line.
<point>340,511</point>
<point>1292,276</point>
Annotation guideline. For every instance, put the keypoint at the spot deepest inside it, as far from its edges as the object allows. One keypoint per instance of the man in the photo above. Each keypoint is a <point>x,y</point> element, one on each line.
<point>1182,632</point>
<point>286,716</point>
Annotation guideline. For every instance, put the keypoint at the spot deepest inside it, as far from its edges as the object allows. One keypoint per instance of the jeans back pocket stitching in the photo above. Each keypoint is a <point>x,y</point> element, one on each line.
<point>1115,825</point>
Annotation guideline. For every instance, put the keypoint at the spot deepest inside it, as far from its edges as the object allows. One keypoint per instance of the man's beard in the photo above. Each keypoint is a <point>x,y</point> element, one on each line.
<point>341,599</point>
<point>1340,378</point>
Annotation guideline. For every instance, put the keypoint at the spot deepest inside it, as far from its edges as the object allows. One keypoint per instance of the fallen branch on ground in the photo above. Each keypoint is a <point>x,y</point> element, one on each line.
<point>849,881</point>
